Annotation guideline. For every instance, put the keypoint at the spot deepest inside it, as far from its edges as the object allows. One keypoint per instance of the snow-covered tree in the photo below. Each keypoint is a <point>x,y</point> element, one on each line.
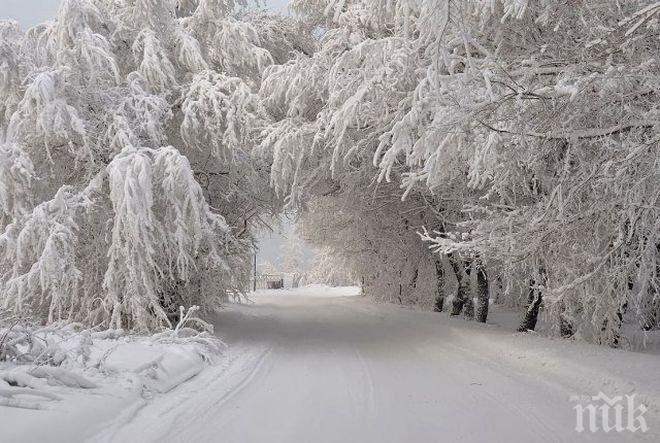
<point>330,268</point>
<point>531,128</point>
<point>330,108</point>
<point>292,254</point>
<point>515,138</point>
<point>555,145</point>
<point>127,187</point>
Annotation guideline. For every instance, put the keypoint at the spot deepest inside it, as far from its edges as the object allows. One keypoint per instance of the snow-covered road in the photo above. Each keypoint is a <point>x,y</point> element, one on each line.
<point>342,369</point>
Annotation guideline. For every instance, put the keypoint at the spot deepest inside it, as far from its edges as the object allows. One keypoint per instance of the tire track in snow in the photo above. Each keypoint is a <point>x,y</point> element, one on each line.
<point>174,414</point>
<point>200,413</point>
<point>368,383</point>
<point>335,370</point>
<point>539,422</point>
<point>109,432</point>
<point>246,380</point>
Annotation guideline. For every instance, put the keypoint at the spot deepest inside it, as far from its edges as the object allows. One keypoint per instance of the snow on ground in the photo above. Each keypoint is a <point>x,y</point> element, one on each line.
<point>97,379</point>
<point>314,290</point>
<point>316,368</point>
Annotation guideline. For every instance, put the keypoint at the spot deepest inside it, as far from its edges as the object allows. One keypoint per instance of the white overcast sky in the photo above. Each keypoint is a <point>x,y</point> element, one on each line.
<point>31,12</point>
<point>28,12</point>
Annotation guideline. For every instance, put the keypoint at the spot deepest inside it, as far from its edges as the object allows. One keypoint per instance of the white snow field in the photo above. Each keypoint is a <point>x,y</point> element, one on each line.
<point>304,367</point>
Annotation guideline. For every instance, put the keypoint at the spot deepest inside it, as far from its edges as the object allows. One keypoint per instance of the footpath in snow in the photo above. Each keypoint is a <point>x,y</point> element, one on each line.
<point>319,365</point>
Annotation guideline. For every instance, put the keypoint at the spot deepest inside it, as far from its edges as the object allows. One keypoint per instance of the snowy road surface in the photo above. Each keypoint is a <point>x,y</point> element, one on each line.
<point>341,369</point>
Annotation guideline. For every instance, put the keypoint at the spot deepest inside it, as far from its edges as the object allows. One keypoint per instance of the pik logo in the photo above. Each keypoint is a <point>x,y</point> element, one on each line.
<point>602,413</point>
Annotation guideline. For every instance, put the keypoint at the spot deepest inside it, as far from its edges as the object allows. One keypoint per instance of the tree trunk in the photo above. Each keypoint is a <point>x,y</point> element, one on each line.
<point>651,314</point>
<point>463,293</point>
<point>566,329</point>
<point>531,315</point>
<point>613,335</point>
<point>534,302</point>
<point>439,286</point>
<point>482,294</point>
<point>413,280</point>
<point>615,339</point>
<point>499,289</point>
<point>468,307</point>
<point>651,318</point>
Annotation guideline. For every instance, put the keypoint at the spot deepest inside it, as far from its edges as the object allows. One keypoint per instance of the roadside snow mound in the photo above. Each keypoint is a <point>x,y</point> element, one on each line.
<point>45,367</point>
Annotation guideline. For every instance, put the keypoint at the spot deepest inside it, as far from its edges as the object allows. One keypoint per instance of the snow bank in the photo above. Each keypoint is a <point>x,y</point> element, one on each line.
<point>576,366</point>
<point>77,382</point>
<point>313,290</point>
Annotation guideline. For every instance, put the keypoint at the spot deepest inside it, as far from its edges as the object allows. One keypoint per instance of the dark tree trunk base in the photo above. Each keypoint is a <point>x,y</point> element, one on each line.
<point>530,318</point>
<point>439,304</point>
<point>439,285</point>
<point>462,303</point>
<point>468,308</point>
<point>534,300</point>
<point>483,295</point>
<point>456,307</point>
<point>566,328</point>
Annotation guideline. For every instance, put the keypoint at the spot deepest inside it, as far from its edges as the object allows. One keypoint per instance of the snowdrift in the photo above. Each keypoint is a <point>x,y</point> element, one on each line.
<point>68,382</point>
